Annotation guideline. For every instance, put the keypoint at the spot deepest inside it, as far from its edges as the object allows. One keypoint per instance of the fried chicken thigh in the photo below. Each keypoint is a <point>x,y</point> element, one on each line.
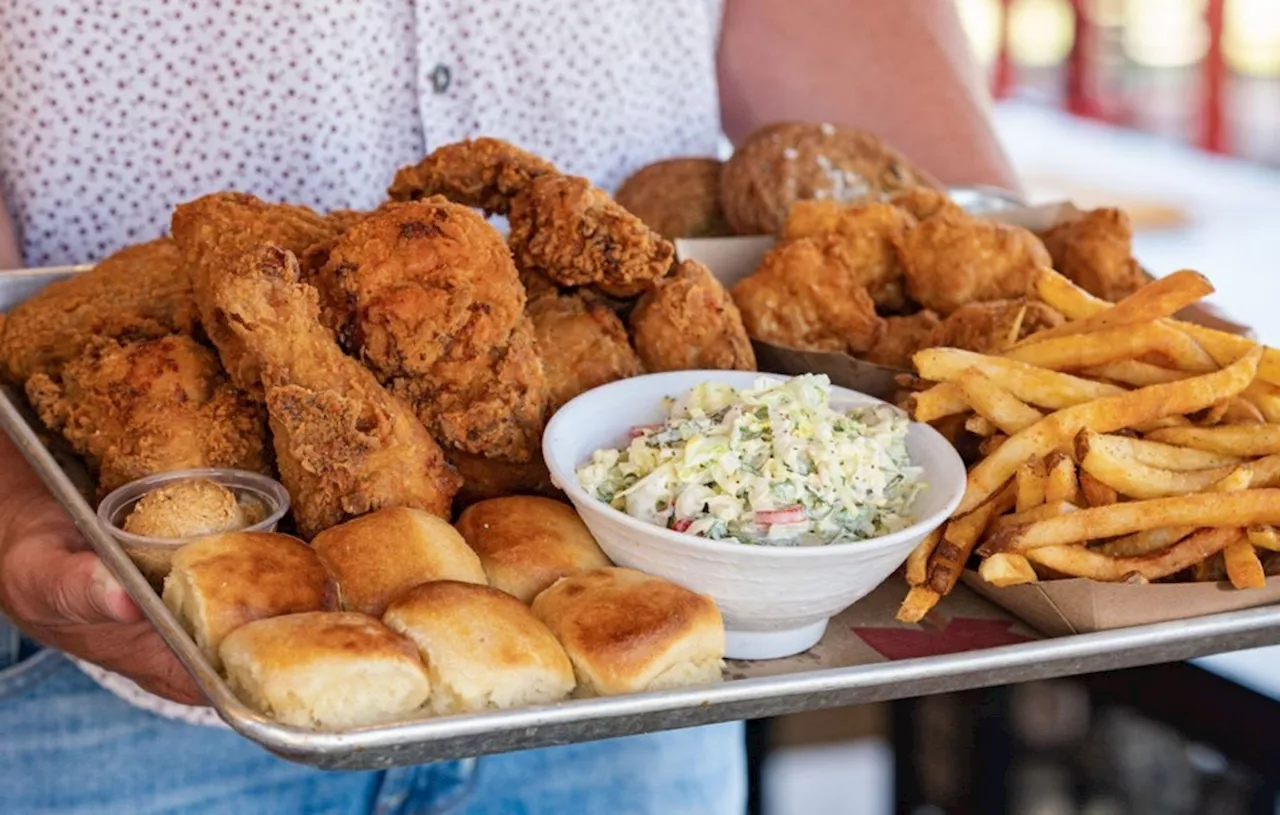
<point>582,344</point>
<point>140,292</point>
<point>150,406</point>
<point>344,445</point>
<point>438,315</point>
<point>689,322</point>
<point>1096,252</point>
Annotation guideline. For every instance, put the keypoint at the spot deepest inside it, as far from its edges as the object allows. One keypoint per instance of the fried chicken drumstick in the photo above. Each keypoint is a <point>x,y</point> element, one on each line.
<point>344,446</point>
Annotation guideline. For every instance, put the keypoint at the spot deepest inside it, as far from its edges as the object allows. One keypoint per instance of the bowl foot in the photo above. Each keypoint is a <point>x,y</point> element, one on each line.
<point>772,644</point>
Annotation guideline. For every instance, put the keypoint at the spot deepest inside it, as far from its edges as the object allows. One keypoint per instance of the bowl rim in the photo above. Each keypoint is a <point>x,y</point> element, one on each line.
<point>568,482</point>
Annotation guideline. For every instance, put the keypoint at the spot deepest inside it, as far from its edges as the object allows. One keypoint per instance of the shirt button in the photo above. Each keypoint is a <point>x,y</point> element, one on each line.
<point>440,78</point>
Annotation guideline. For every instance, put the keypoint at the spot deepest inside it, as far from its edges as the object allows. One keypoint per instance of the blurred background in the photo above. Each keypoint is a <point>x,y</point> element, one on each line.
<point>1169,109</point>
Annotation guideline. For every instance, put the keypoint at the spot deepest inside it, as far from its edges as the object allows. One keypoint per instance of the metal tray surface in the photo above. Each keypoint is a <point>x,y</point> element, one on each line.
<point>860,660</point>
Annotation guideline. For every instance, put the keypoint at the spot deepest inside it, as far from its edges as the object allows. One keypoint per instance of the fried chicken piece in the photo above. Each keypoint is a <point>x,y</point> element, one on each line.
<point>576,234</point>
<point>213,232</point>
<point>902,338</point>
<point>993,325</point>
<point>482,173</point>
<point>150,406</point>
<point>582,344</point>
<point>1096,252</point>
<point>678,198</point>
<point>801,297</point>
<point>786,162</point>
<point>952,259</point>
<point>689,322</point>
<point>142,291</point>
<point>344,445</point>
<point>484,478</point>
<point>924,202</point>
<point>864,238</point>
<point>438,315</point>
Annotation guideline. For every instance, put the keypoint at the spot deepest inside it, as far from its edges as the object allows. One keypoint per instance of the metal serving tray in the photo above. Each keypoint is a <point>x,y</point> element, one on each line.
<point>866,656</point>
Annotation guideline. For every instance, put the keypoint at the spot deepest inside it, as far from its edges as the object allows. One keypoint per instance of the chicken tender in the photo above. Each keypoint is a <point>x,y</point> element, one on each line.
<point>438,315</point>
<point>678,198</point>
<point>991,326</point>
<point>864,238</point>
<point>482,173</point>
<point>344,445</point>
<point>689,322</point>
<point>953,258</point>
<point>133,409</point>
<point>576,234</point>
<point>786,162</point>
<point>902,338</point>
<point>1096,252</point>
<point>140,292</point>
<point>582,344</point>
<point>801,297</point>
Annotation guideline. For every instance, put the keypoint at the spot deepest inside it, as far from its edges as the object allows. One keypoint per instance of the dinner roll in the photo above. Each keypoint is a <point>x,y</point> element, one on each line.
<point>221,582</point>
<point>328,670</point>
<point>528,543</point>
<point>626,631</point>
<point>483,648</point>
<point>380,556</point>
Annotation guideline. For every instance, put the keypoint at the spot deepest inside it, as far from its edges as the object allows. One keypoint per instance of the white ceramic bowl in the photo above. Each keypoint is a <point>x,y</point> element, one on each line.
<point>776,601</point>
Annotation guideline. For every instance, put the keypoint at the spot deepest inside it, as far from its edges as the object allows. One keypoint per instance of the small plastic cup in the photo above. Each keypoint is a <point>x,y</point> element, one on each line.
<point>154,556</point>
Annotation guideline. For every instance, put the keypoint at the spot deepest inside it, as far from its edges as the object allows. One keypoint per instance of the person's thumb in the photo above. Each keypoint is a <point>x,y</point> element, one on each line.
<point>81,590</point>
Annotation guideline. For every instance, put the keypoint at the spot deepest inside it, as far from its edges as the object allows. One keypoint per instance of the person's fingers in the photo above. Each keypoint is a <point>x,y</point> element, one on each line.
<point>49,585</point>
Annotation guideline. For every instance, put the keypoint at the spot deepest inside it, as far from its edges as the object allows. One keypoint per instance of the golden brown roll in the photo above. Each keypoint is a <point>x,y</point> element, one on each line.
<point>525,543</point>
<point>626,631</point>
<point>483,648</point>
<point>325,670</point>
<point>219,583</point>
<point>378,557</point>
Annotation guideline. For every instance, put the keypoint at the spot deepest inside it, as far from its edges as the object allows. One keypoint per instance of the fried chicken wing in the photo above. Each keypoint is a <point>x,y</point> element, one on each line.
<point>902,338</point>
<point>576,234</point>
<point>213,232</point>
<point>689,322</point>
<point>991,326</point>
<point>438,315</point>
<point>1096,252</point>
<point>802,297</point>
<point>864,238</point>
<point>582,344</point>
<point>678,197</point>
<point>953,258</point>
<point>140,292</point>
<point>344,445</point>
<point>150,406</point>
<point>482,173</point>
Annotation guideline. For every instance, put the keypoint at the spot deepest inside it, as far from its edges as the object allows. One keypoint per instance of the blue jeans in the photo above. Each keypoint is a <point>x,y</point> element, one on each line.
<point>67,745</point>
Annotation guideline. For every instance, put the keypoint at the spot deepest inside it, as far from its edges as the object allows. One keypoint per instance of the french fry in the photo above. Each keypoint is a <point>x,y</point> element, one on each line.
<point>1011,333</point>
<point>918,560</point>
<point>1108,462</point>
<point>960,538</point>
<point>1134,372</point>
<point>920,601</point>
<point>1242,411</point>
<point>1030,480</point>
<point>1096,494</point>
<point>1062,483</point>
<point>1231,440</point>
<point>1244,570</point>
<point>943,399</point>
<point>980,426</point>
<point>1036,513</point>
<point>1213,416</point>
<point>1007,569</point>
<point>1264,537</point>
<point>1231,509</point>
<point>1161,298</point>
<point>1082,562</point>
<point>1145,542</point>
<point>995,404</point>
<point>992,443</point>
<point>1065,297</point>
<point>1035,386</point>
<point>1116,344</point>
<point>1104,416</point>
<point>1266,398</point>
<point>1167,456</point>
<point>1240,478</point>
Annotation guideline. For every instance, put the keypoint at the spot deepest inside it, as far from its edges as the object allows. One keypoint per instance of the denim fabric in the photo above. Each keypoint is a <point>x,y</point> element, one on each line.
<point>66,745</point>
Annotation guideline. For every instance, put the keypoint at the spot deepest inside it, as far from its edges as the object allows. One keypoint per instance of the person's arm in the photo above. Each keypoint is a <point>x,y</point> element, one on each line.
<point>901,70</point>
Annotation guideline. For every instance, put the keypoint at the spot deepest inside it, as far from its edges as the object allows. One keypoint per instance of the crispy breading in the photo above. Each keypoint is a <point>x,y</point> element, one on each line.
<point>689,322</point>
<point>484,173</point>
<point>902,337</point>
<point>803,298</point>
<point>987,327</point>
<point>136,408</point>
<point>1096,252</point>
<point>923,202</point>
<point>678,197</point>
<point>344,445</point>
<point>438,315</point>
<point>142,291</point>
<point>863,237</point>
<point>582,344</point>
<point>484,478</point>
<point>953,258</point>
